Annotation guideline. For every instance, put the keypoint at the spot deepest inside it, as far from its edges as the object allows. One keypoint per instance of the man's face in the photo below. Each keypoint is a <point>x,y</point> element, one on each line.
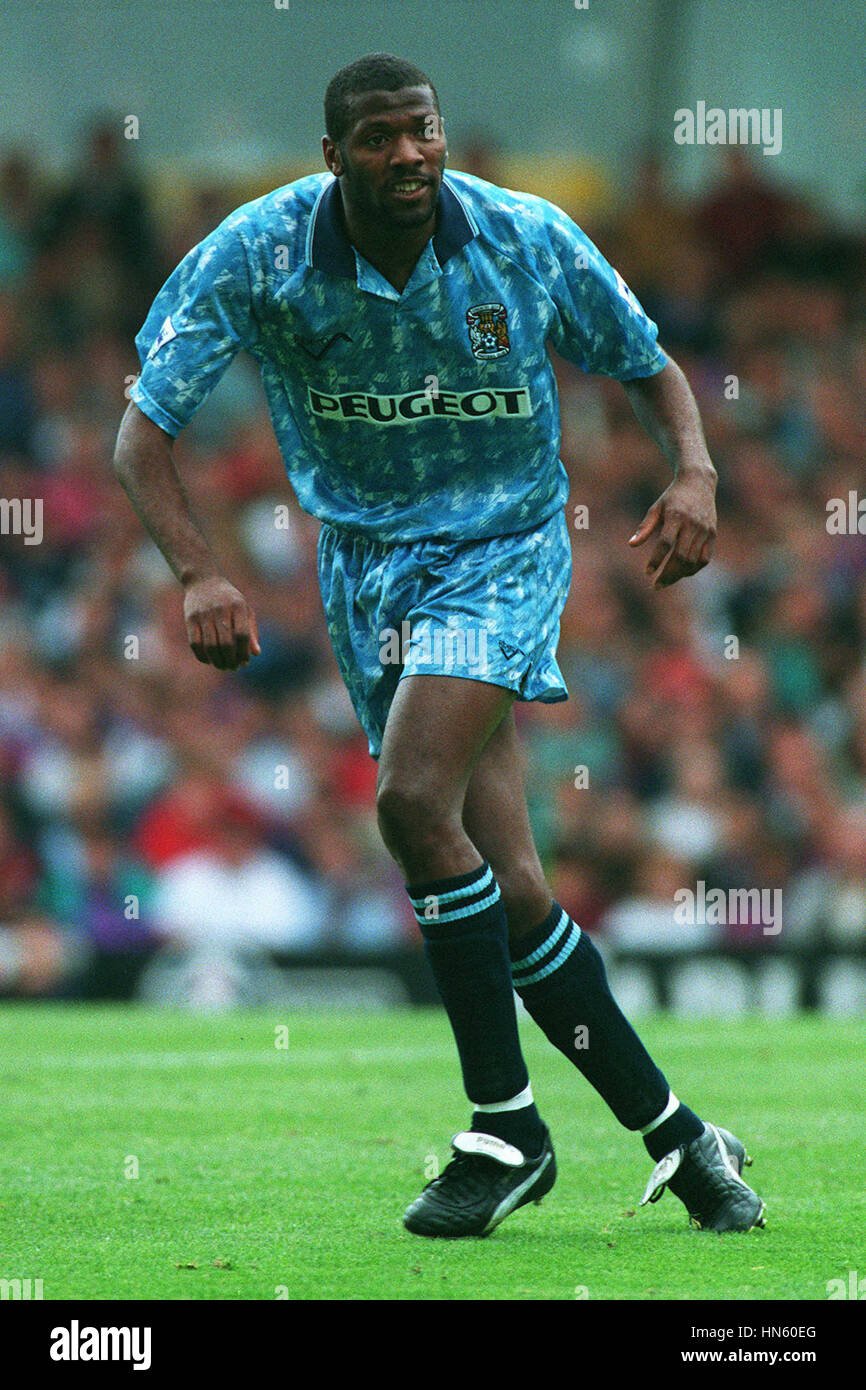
<point>392,158</point>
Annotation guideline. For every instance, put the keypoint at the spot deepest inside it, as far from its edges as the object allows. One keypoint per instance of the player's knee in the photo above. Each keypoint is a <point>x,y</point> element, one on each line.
<point>411,811</point>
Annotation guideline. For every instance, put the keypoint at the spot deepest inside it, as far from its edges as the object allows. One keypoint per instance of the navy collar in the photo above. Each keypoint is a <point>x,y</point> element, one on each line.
<point>331,250</point>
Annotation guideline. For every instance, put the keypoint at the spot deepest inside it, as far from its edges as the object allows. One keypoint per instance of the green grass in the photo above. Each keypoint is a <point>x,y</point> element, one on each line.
<point>262,1168</point>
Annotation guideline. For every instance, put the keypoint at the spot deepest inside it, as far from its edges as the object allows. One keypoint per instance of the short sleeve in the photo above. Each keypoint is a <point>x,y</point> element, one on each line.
<point>199,321</point>
<point>600,326</point>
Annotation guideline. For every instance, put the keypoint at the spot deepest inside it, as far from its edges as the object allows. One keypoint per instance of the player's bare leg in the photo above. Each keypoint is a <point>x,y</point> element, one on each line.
<point>437,727</point>
<point>496,819</point>
<point>561,978</point>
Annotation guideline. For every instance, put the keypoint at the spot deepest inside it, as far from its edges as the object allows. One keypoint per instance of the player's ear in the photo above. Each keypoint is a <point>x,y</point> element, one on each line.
<point>331,153</point>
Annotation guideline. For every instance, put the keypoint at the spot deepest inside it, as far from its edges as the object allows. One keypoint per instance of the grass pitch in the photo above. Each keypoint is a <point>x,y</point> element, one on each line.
<point>149,1154</point>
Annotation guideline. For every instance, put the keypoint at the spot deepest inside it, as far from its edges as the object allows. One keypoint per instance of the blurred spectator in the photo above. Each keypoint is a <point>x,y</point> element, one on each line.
<point>827,900</point>
<point>33,958</point>
<point>236,892</point>
<point>21,206</point>
<point>103,899</point>
<point>19,871</point>
<point>101,224</point>
<point>744,214</point>
<point>647,922</point>
<point>17,406</point>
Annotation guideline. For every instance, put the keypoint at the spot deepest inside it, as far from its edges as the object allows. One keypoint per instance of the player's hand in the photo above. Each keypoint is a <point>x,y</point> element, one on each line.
<point>683,525</point>
<point>220,625</point>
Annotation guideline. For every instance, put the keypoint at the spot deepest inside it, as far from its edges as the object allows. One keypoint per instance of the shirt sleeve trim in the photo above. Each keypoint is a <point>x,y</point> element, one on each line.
<point>155,412</point>
<point>651,367</point>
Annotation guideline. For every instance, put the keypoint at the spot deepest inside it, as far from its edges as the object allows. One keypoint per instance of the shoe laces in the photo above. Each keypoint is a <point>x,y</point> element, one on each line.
<point>467,1175</point>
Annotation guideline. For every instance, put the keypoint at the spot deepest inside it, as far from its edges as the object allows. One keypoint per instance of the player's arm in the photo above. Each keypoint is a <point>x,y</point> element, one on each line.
<point>199,321</point>
<point>600,326</point>
<point>683,520</point>
<point>220,625</point>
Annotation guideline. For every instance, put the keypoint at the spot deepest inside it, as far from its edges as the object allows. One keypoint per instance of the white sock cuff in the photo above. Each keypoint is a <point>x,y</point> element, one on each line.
<point>518,1102</point>
<point>672,1105</point>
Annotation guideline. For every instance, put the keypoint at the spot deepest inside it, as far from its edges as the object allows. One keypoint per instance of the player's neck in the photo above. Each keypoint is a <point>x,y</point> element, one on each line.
<point>394,254</point>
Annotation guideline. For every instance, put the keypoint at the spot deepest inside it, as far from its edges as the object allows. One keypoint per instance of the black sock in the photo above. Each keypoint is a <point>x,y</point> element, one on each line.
<point>523,1128</point>
<point>679,1128</point>
<point>561,979</point>
<point>465,934</point>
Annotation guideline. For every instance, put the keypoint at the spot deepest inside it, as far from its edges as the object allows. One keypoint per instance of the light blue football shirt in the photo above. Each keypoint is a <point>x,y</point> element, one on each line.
<point>432,413</point>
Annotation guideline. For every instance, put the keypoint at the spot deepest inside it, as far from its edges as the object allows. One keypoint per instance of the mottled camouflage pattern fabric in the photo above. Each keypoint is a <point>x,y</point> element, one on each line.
<point>485,610</point>
<point>430,414</point>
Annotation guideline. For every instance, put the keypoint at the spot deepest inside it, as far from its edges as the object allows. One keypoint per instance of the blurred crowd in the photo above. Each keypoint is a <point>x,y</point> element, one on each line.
<point>151,807</point>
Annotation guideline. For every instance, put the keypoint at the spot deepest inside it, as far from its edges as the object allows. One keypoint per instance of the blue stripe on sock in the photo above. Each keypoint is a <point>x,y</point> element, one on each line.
<point>457,912</point>
<point>483,881</point>
<point>558,960</point>
<point>545,946</point>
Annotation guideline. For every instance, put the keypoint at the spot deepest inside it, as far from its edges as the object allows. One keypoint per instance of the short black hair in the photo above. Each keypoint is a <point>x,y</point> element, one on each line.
<point>375,72</point>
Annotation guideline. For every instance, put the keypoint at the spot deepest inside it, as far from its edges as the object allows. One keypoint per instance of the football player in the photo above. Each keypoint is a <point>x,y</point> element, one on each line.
<point>401,315</point>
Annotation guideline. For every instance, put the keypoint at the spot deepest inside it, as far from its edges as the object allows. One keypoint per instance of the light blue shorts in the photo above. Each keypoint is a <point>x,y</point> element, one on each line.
<point>485,610</point>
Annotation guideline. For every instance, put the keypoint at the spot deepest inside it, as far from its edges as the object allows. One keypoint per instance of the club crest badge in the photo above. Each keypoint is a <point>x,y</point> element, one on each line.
<point>488,331</point>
